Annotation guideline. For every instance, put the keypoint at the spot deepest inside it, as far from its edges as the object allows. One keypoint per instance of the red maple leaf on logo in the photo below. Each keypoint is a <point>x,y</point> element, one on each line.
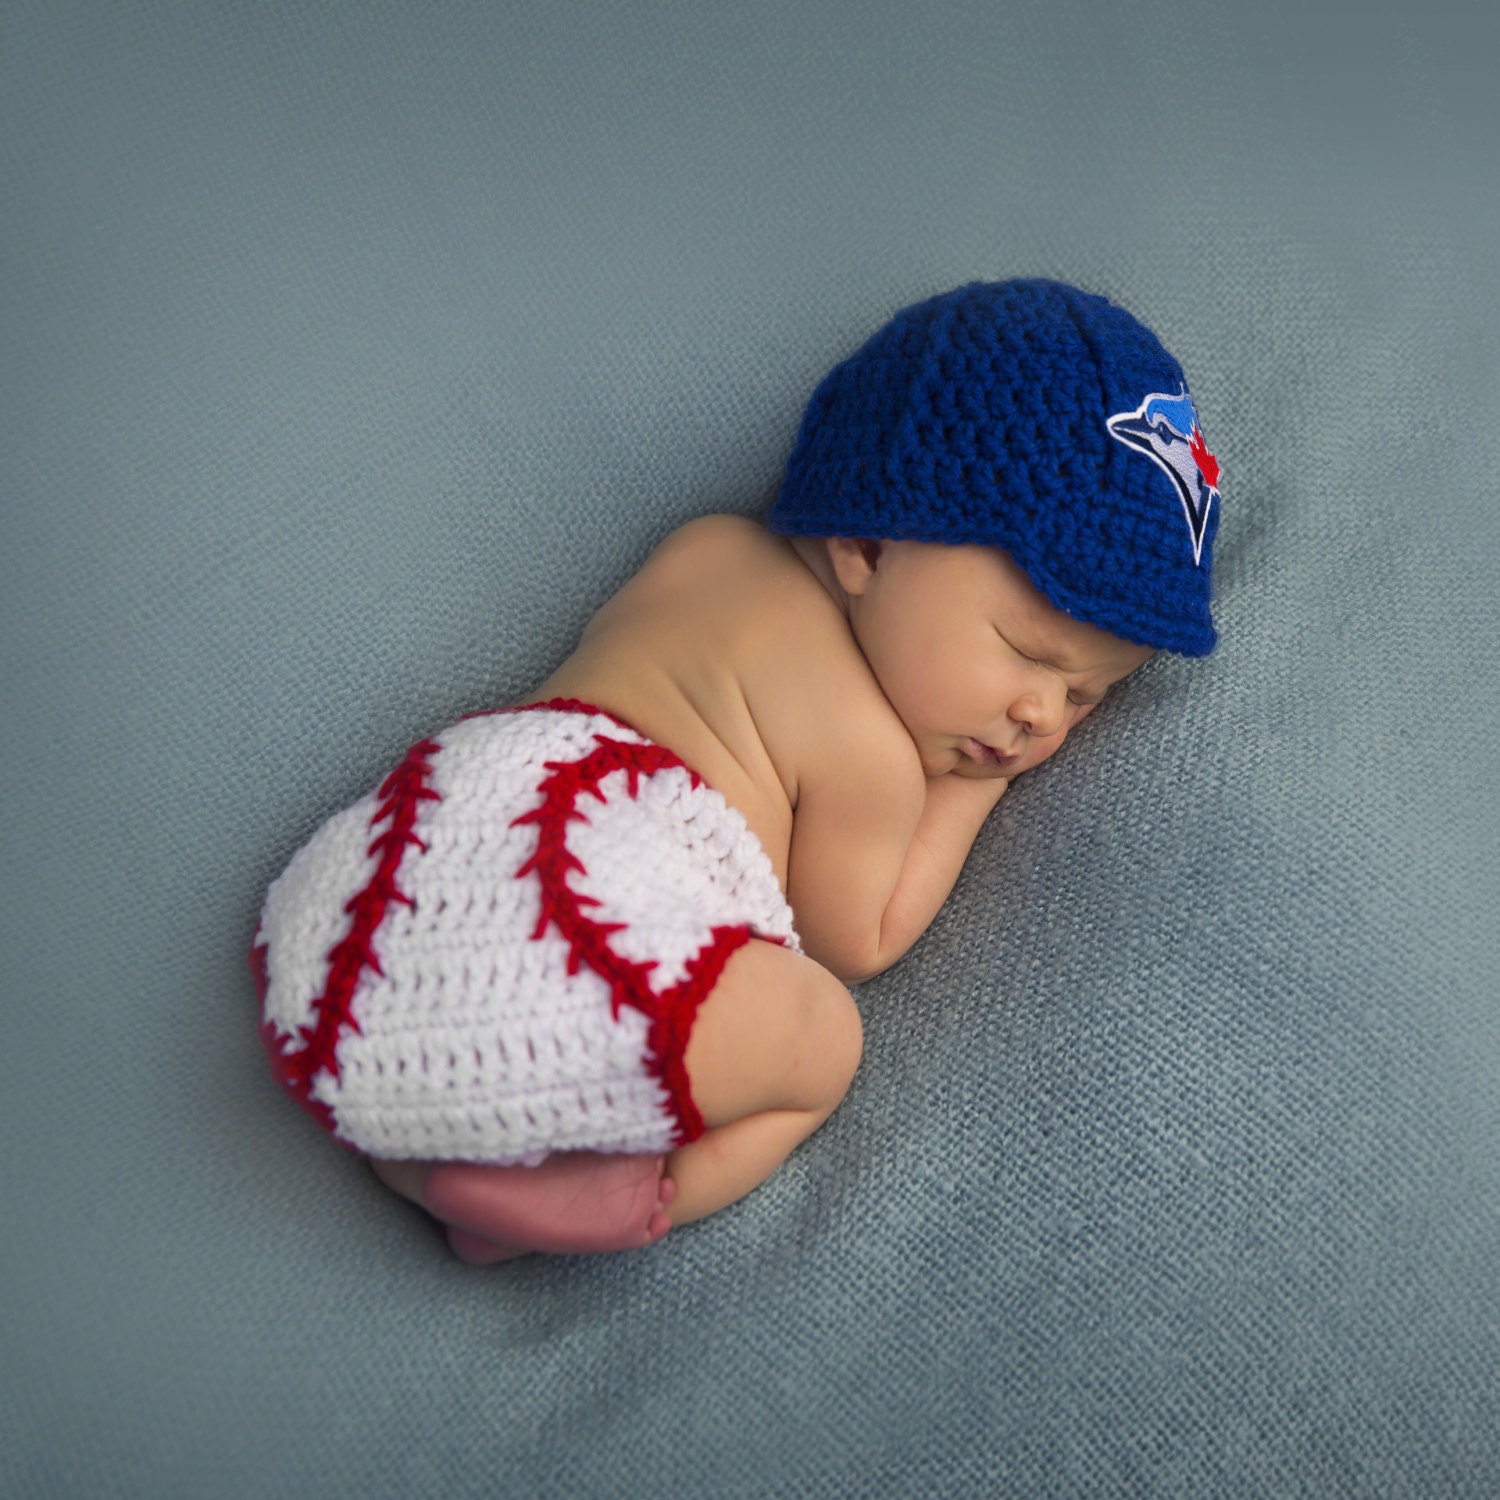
<point>1208,465</point>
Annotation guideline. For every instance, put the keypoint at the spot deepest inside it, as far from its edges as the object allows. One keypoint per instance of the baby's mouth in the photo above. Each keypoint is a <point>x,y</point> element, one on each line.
<point>987,755</point>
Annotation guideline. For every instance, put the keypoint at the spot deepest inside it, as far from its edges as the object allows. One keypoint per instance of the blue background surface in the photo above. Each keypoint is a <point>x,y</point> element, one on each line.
<point>350,356</point>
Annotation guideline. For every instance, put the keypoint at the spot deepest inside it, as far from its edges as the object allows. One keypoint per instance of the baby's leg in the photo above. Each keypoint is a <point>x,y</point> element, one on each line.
<point>773,1051</point>
<point>575,1202</point>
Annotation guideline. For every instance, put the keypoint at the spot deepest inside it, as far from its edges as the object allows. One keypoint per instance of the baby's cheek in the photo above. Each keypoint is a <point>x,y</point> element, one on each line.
<point>1045,749</point>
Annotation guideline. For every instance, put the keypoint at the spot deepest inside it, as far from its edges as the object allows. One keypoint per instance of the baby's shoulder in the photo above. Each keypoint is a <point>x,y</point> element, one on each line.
<point>713,546</point>
<point>726,627</point>
<point>733,579</point>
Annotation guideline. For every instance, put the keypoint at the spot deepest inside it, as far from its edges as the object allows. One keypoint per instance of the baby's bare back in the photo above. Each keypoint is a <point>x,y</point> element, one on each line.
<point>727,650</point>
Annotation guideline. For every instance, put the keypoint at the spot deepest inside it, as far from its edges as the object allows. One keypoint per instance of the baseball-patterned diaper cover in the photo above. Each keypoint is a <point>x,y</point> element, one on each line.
<point>500,953</point>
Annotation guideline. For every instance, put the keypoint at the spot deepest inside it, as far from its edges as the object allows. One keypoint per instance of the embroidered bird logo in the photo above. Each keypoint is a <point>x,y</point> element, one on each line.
<point>1165,428</point>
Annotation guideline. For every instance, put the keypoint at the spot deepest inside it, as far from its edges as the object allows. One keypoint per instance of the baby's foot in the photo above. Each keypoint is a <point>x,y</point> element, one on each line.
<point>575,1202</point>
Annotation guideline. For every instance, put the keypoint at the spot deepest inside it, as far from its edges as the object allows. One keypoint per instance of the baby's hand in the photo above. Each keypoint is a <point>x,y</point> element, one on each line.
<point>575,1202</point>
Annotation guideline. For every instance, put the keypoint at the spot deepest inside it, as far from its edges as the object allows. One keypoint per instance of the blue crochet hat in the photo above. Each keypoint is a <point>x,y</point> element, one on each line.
<point>1031,416</point>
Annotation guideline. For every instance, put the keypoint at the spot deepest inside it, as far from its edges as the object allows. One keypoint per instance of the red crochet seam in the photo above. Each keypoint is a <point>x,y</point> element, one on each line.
<point>672,1012</point>
<point>401,795</point>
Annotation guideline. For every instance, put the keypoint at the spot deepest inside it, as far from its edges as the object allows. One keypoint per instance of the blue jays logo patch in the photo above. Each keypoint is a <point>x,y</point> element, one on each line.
<point>1165,428</point>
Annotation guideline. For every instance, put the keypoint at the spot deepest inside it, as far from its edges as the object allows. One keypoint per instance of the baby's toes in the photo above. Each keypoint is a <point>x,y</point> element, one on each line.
<point>632,1194</point>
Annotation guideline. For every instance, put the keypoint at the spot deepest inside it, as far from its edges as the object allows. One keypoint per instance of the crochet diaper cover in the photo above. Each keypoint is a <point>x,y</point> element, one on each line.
<point>500,953</point>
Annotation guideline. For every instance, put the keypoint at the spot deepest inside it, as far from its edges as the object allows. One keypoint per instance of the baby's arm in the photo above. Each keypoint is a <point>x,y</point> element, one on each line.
<point>952,815</point>
<point>874,856</point>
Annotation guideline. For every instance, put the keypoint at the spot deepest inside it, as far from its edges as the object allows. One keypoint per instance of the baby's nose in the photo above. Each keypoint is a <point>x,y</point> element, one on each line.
<point>1041,714</point>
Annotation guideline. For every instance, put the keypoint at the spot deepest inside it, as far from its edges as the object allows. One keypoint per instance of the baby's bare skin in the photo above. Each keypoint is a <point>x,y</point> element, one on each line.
<point>863,705</point>
<point>577,1202</point>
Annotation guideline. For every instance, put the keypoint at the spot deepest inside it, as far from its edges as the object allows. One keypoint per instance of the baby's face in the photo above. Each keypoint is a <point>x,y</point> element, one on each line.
<point>985,673</point>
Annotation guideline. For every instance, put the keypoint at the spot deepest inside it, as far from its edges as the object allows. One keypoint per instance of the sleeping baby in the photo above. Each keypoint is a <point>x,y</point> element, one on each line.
<point>576,972</point>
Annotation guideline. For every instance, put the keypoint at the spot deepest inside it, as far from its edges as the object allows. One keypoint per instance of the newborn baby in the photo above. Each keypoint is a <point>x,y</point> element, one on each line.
<point>576,972</point>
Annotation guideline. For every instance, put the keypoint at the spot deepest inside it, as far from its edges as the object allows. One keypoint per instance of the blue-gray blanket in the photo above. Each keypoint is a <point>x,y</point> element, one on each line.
<point>350,355</point>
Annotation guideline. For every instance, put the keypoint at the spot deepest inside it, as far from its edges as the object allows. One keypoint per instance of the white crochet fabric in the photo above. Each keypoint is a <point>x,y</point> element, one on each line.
<point>499,954</point>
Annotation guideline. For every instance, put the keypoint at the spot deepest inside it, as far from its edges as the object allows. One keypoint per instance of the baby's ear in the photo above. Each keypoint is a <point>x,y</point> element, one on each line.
<point>854,561</point>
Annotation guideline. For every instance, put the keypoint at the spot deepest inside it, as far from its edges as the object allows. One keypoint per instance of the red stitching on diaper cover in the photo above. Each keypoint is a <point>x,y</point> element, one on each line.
<point>561,706</point>
<point>401,795</point>
<point>671,1012</point>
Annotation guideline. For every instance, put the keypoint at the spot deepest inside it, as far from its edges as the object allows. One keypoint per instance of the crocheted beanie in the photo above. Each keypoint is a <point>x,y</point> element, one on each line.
<point>1031,416</point>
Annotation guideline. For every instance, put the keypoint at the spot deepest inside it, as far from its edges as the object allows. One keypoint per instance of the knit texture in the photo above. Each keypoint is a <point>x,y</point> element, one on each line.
<point>500,953</point>
<point>1032,416</point>
<point>352,360</point>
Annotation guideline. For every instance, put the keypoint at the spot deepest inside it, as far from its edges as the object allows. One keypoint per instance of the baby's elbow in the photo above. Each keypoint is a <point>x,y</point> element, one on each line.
<point>849,962</point>
<point>871,970</point>
<point>832,955</point>
<point>853,946</point>
<point>846,974</point>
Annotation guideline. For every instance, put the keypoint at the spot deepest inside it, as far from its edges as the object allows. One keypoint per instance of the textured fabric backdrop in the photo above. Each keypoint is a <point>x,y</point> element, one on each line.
<point>351,355</point>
